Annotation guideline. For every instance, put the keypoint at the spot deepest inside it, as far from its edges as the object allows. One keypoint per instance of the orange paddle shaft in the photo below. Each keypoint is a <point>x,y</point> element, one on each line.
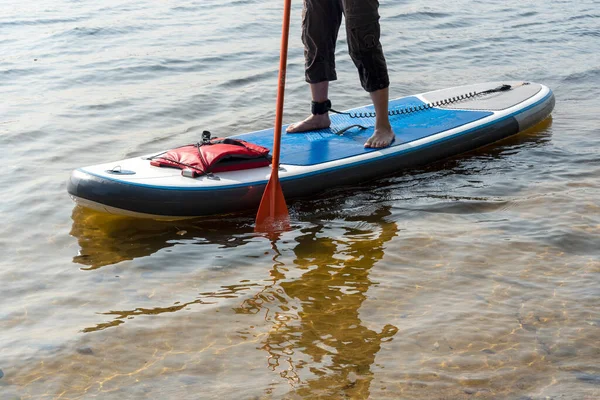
<point>273,213</point>
<point>281,88</point>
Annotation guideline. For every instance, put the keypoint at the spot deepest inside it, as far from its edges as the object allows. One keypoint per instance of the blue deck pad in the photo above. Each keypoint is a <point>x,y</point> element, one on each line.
<point>325,145</point>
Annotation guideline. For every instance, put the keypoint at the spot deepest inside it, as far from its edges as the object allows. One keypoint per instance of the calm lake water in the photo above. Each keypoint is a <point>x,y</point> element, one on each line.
<point>476,277</point>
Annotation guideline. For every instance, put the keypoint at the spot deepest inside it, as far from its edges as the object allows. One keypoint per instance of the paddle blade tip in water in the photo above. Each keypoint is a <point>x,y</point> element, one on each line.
<point>272,213</point>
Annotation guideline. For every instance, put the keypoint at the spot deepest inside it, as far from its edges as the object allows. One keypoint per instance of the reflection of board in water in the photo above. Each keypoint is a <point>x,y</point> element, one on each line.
<point>106,240</point>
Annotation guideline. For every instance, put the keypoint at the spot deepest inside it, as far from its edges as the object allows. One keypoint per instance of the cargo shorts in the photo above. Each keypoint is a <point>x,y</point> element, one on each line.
<point>321,20</point>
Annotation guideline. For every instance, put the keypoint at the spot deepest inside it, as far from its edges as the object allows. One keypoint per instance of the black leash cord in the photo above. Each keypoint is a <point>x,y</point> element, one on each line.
<point>422,107</point>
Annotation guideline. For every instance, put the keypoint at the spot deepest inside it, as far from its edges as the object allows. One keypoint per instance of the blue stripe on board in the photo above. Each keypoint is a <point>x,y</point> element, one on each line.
<point>325,145</point>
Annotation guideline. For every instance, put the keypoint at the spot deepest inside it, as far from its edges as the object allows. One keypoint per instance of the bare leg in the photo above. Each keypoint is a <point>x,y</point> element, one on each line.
<point>319,92</point>
<point>383,135</point>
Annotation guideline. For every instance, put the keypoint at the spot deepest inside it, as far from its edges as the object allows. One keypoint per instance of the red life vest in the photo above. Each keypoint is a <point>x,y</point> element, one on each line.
<point>214,155</point>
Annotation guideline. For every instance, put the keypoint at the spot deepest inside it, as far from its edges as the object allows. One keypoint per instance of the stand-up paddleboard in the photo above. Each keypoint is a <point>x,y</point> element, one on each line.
<point>428,126</point>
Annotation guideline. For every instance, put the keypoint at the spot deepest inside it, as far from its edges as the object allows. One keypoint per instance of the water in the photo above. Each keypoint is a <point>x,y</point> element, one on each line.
<point>477,277</point>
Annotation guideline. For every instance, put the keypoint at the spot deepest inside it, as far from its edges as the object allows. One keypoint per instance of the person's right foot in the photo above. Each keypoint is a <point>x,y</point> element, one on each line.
<point>312,123</point>
<point>382,137</point>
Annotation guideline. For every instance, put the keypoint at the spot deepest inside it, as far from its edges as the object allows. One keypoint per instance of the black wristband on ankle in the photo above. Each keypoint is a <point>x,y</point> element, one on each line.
<point>320,108</point>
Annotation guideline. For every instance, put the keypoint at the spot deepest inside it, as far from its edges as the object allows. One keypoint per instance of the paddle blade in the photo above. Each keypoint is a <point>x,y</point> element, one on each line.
<point>272,213</point>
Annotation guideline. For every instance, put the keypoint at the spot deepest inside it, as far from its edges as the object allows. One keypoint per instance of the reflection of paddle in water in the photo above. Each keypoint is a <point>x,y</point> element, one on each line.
<point>316,318</point>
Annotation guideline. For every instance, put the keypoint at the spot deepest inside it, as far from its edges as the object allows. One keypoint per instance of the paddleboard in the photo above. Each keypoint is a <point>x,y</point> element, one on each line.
<point>428,126</point>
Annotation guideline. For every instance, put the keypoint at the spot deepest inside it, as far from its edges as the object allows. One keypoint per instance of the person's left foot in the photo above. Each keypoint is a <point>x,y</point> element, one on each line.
<point>382,137</point>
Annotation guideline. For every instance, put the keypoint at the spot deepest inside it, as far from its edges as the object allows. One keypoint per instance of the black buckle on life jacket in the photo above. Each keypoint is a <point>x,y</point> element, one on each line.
<point>206,137</point>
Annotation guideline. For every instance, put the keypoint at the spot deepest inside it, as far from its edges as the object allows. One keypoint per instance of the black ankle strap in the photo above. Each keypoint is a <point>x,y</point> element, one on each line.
<point>320,108</point>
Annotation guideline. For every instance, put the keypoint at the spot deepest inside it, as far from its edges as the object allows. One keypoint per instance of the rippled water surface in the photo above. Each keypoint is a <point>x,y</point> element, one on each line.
<point>476,277</point>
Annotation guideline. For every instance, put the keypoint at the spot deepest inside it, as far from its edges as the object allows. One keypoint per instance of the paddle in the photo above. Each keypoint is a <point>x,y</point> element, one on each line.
<point>272,213</point>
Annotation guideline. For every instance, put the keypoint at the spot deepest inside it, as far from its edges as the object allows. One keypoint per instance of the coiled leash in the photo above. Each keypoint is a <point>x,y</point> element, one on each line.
<point>325,106</point>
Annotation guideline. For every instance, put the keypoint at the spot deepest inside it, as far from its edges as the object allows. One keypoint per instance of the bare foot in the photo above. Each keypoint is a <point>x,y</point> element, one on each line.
<point>311,123</point>
<point>382,137</point>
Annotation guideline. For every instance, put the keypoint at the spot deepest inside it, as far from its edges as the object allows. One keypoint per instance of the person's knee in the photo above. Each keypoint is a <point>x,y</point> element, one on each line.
<point>374,79</point>
<point>363,36</point>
